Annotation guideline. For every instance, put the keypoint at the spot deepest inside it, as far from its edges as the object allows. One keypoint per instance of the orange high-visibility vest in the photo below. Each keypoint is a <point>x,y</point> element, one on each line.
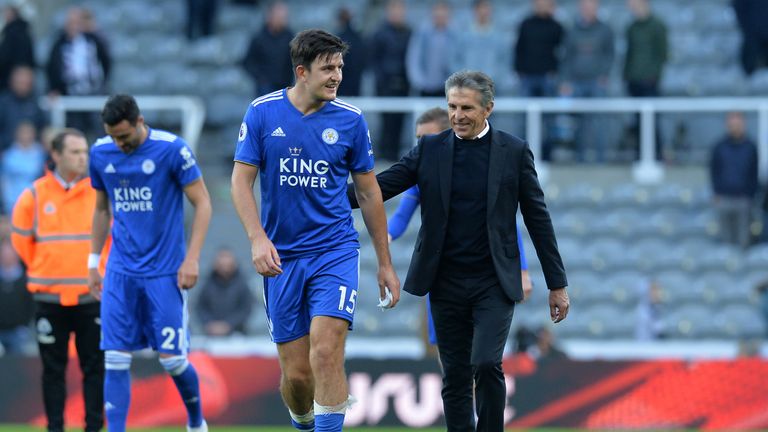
<point>51,232</point>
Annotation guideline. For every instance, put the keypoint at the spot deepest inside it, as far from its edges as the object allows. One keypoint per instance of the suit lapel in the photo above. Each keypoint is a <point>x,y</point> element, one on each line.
<point>496,161</point>
<point>446,170</point>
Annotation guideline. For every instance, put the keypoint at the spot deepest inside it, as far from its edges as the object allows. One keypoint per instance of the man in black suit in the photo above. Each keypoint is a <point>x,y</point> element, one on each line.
<point>472,178</point>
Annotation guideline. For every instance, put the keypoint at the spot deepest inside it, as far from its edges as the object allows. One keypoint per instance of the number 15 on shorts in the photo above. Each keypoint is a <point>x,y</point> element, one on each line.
<point>347,303</point>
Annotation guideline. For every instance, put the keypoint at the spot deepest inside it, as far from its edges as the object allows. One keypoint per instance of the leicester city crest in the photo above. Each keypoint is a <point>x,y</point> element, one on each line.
<point>330,136</point>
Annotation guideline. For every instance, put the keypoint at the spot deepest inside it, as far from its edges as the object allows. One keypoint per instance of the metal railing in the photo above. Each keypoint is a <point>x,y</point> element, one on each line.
<point>647,169</point>
<point>192,111</point>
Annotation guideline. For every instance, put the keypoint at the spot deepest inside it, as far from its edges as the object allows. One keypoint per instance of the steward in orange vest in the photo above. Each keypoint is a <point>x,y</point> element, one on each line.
<point>51,229</point>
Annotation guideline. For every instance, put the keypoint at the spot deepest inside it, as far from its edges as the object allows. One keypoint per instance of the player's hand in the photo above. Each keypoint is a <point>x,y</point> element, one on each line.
<point>265,257</point>
<point>558,304</point>
<point>527,284</point>
<point>388,279</point>
<point>188,274</point>
<point>94,283</point>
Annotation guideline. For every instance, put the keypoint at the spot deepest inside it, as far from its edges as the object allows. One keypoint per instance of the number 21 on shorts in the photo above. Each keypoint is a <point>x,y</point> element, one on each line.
<point>344,300</point>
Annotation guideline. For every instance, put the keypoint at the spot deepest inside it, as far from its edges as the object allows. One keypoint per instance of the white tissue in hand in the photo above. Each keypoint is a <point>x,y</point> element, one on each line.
<point>386,302</point>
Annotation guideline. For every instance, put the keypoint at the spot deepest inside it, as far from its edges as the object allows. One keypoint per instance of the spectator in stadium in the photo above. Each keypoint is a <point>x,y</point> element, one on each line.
<point>587,61</point>
<point>225,301</point>
<point>20,104</point>
<point>545,349</point>
<point>355,60</point>
<point>536,59</point>
<point>307,248</point>
<point>762,291</point>
<point>644,63</point>
<point>201,18</point>
<point>494,58</point>
<point>268,59</point>
<point>752,16</point>
<point>646,51</point>
<point>650,324</point>
<point>430,53</point>
<point>733,172</point>
<point>16,306</point>
<point>16,45</point>
<point>79,65</point>
<point>141,176</point>
<point>21,165</point>
<point>387,49</point>
<point>51,232</point>
<point>471,181</point>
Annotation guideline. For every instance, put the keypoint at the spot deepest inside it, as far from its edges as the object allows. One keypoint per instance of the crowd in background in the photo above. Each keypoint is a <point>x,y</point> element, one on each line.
<point>542,57</point>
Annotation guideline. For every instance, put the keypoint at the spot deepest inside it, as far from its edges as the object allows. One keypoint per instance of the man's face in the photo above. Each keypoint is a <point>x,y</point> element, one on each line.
<point>431,128</point>
<point>466,112</point>
<point>735,125</point>
<point>22,81</point>
<point>324,77</point>
<point>127,137</point>
<point>73,158</point>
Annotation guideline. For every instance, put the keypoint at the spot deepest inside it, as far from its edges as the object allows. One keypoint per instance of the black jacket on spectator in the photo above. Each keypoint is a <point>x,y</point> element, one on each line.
<point>354,62</point>
<point>15,110</point>
<point>16,49</point>
<point>225,299</point>
<point>537,43</point>
<point>99,67</point>
<point>387,50</point>
<point>733,168</point>
<point>268,60</point>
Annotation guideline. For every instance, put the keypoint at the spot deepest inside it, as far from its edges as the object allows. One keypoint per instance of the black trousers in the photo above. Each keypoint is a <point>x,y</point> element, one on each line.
<point>54,325</point>
<point>472,319</point>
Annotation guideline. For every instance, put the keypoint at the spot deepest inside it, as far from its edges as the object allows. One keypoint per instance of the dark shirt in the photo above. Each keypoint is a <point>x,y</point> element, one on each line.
<point>387,57</point>
<point>225,299</point>
<point>268,60</point>
<point>466,251</point>
<point>537,44</point>
<point>16,49</point>
<point>733,168</point>
<point>354,62</point>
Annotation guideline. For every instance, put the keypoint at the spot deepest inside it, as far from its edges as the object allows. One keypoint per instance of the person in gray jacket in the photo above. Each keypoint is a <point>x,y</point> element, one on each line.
<point>226,301</point>
<point>586,67</point>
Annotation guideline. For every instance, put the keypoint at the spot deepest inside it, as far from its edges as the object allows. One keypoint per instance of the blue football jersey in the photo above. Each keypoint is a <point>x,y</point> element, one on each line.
<point>304,164</point>
<point>146,194</point>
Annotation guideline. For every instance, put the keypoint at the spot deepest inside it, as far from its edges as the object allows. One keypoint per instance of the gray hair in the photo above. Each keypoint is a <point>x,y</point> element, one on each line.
<point>473,80</point>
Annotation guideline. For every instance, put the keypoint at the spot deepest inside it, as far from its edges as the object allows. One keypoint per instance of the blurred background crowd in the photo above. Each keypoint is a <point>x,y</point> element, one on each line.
<point>687,257</point>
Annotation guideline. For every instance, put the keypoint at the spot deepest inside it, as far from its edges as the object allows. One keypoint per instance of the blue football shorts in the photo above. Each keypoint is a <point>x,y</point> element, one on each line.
<point>140,312</point>
<point>317,285</point>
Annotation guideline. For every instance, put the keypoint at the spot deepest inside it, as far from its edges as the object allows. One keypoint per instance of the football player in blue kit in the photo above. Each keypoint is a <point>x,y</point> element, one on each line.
<point>141,176</point>
<point>303,143</point>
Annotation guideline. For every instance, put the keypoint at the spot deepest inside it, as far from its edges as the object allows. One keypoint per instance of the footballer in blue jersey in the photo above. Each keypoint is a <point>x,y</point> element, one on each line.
<point>303,144</point>
<point>141,176</point>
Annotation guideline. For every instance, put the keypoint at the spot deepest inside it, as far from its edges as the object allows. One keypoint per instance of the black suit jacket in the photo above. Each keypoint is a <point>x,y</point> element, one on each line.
<point>511,180</point>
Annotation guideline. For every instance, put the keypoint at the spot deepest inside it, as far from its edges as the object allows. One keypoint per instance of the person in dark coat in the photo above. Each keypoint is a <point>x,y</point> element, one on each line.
<point>354,61</point>
<point>388,48</point>
<point>225,301</point>
<point>16,45</point>
<point>268,59</point>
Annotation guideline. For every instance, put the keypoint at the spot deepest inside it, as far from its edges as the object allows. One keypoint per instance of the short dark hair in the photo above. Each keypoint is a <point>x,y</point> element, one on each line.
<point>435,115</point>
<point>57,144</point>
<point>313,43</point>
<point>120,107</point>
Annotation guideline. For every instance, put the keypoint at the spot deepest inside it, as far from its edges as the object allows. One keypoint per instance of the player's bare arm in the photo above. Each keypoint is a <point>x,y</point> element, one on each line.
<point>527,284</point>
<point>263,253</point>
<point>99,232</point>
<point>371,205</point>
<point>198,196</point>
